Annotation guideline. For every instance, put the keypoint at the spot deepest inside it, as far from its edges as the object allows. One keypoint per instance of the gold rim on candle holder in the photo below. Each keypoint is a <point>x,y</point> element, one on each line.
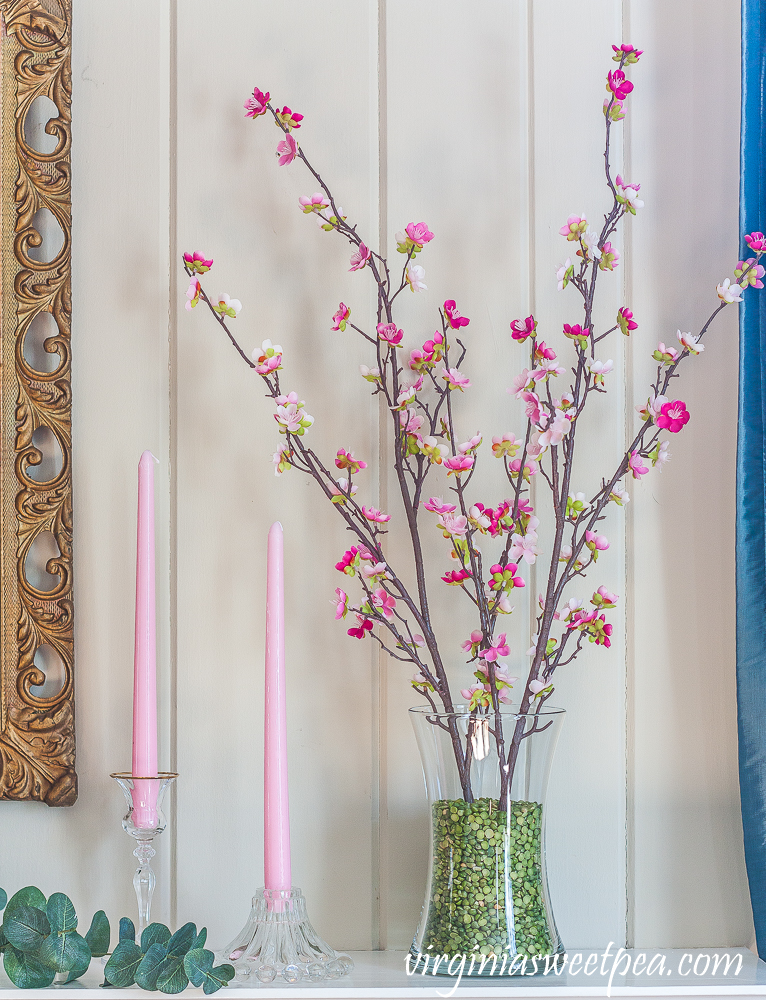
<point>140,777</point>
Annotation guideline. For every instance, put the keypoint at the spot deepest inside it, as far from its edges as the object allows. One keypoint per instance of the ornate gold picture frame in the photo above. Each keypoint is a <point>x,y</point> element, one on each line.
<point>37,745</point>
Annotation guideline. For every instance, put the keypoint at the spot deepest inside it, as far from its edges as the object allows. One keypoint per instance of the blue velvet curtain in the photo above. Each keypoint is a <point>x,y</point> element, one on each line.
<point>751,477</point>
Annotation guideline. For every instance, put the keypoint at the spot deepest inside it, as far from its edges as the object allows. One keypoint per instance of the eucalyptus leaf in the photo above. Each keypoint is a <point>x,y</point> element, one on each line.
<point>61,913</point>
<point>127,930</point>
<point>64,952</point>
<point>26,971</point>
<point>3,898</point>
<point>200,939</point>
<point>149,969</point>
<point>124,961</point>
<point>182,940</point>
<point>3,940</point>
<point>99,935</point>
<point>218,977</point>
<point>154,934</point>
<point>26,928</point>
<point>172,977</point>
<point>76,973</point>
<point>30,895</point>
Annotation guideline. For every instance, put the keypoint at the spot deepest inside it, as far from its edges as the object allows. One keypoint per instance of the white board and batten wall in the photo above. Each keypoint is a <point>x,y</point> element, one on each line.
<point>484,121</point>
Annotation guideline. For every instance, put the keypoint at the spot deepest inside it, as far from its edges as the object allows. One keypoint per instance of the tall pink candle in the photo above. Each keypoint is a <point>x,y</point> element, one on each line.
<point>276,806</point>
<point>145,654</point>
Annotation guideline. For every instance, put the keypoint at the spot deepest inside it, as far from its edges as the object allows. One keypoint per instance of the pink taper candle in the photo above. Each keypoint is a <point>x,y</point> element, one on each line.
<point>276,806</point>
<point>145,654</point>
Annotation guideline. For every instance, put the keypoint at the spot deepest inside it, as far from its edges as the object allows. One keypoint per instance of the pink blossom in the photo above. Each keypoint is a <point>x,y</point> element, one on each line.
<point>728,292</point>
<point>533,409</point>
<point>454,318</point>
<point>613,109</point>
<point>547,367</point>
<point>754,274</point>
<point>544,353</point>
<point>520,383</point>
<point>667,355</point>
<point>418,233</point>
<point>281,459</point>
<point>469,693</point>
<point>287,150</point>
<point>455,380</point>
<point>627,195</point>
<point>458,464</point>
<point>435,347</point>
<point>388,333</point>
<point>577,333</point>
<point>523,328</point>
<point>415,278</point>
<point>345,460</point>
<point>618,84</point>
<point>453,524</point>
<point>411,421</point>
<point>537,687</point>
<point>574,227</point>
<point>674,416</point>
<point>377,569</point>
<point>631,54</point>
<point>384,602</point>
<point>596,541</point>
<point>290,119</point>
<point>555,430</point>
<point>342,491</point>
<point>604,598</point>
<point>505,445</point>
<point>226,306</point>
<point>494,652</point>
<point>373,514</point>
<point>530,468</point>
<point>197,262</point>
<point>268,359</point>
<point>349,562</point>
<point>636,466</point>
<point>340,317</point>
<point>625,321</point>
<point>341,604</point>
<point>315,203</point>
<point>419,359</point>
<point>470,446</point>
<point>456,576</point>
<point>470,644</point>
<point>369,374</point>
<point>690,342</point>
<point>756,241</point>
<point>359,258</point>
<point>365,625</point>
<point>609,257</point>
<point>291,416</point>
<point>193,292</point>
<point>660,455</point>
<point>256,105</point>
<point>524,547</point>
<point>436,506</point>
<point>564,274</point>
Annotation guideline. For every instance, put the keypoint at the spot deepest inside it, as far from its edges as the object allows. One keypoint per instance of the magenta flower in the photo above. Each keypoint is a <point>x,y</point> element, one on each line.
<point>359,258</point>
<point>341,604</point>
<point>454,318</point>
<point>504,577</point>
<point>674,416</point>
<point>388,333</point>
<point>365,625</point>
<point>455,577</point>
<point>636,466</point>
<point>384,603</point>
<point>577,333</point>
<point>609,257</point>
<point>345,460</point>
<point>197,262</point>
<point>340,317</point>
<point>618,84</point>
<point>373,514</point>
<point>287,150</point>
<point>494,652</point>
<point>574,227</point>
<point>625,321</point>
<point>543,353</point>
<point>435,347</point>
<point>756,241</point>
<point>256,105</point>
<point>349,562</point>
<point>315,203</point>
<point>521,329</point>
<point>754,274</point>
<point>436,506</point>
<point>596,543</point>
<point>455,380</point>
<point>416,234</point>
<point>458,464</point>
<point>632,54</point>
<point>290,119</point>
<point>472,644</point>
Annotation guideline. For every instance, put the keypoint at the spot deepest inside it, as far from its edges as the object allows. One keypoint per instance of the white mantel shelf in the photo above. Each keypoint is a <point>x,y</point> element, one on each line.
<point>382,974</point>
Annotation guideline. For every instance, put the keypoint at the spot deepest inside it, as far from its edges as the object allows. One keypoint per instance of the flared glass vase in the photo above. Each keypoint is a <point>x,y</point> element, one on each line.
<point>487,893</point>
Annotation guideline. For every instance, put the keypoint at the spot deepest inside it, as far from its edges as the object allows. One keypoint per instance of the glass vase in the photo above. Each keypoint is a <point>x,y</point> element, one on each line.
<point>487,904</point>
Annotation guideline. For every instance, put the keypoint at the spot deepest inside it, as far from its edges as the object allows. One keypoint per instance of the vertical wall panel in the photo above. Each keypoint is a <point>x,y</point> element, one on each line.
<point>238,206</point>
<point>690,884</point>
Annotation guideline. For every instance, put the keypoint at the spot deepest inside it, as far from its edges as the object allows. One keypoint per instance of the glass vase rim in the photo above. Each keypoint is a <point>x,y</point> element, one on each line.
<point>461,711</point>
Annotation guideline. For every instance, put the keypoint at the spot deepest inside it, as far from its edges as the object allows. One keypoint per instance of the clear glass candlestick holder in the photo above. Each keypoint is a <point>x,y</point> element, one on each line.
<point>144,821</point>
<point>278,941</point>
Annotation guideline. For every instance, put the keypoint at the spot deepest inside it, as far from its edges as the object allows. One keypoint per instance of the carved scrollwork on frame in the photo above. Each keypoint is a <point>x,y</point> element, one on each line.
<point>37,745</point>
